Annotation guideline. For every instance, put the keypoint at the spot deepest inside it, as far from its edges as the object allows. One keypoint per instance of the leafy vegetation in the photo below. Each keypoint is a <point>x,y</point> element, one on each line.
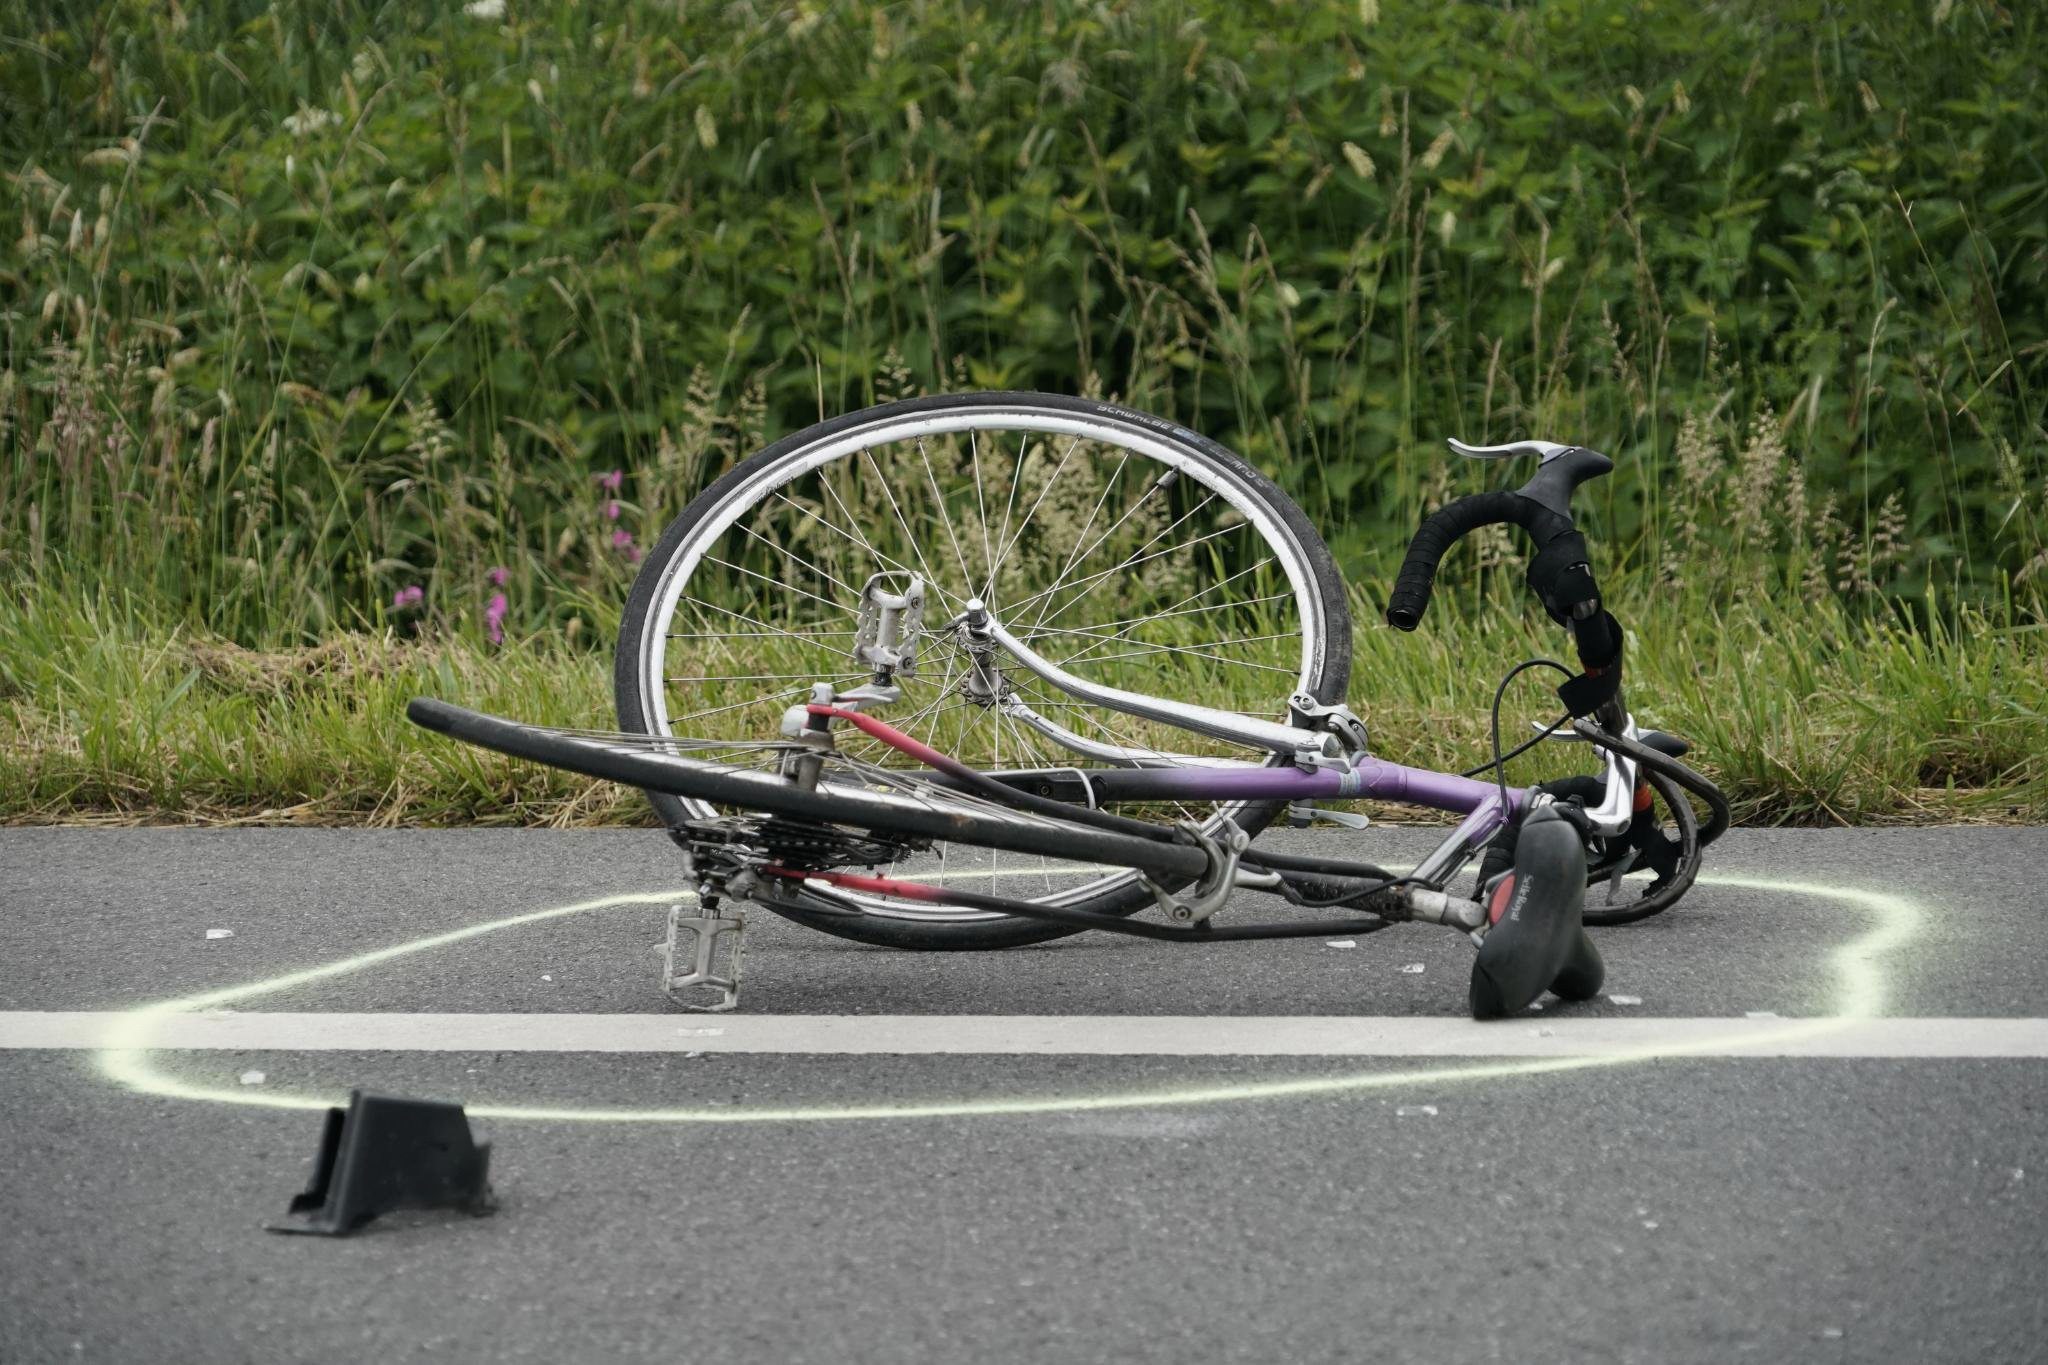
<point>419,322</point>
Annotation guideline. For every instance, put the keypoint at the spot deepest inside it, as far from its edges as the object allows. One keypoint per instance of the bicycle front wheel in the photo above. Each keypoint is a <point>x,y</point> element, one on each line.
<point>1124,548</point>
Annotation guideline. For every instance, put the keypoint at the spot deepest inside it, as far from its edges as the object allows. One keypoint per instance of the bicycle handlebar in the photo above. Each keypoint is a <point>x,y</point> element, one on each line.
<point>1453,522</point>
<point>1542,507</point>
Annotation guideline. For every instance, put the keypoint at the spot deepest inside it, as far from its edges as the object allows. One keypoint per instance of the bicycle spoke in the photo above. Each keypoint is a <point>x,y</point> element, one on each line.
<point>1182,649</point>
<point>1095,580</point>
<point>1103,552</point>
<point>755,634</point>
<point>1004,556</point>
<point>1097,626</point>
<point>773,629</point>
<point>1118,568</point>
<point>743,677</point>
<point>801,592</point>
<point>1213,587</point>
<point>1016,478</point>
<point>1081,535</point>
<point>764,697</point>
<point>916,548</point>
<point>932,480</point>
<point>795,558</point>
<point>988,554</point>
<point>1165,480</point>
<point>860,541</point>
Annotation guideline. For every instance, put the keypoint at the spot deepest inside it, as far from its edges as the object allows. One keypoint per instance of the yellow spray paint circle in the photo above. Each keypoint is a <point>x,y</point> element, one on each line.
<point>126,1058</point>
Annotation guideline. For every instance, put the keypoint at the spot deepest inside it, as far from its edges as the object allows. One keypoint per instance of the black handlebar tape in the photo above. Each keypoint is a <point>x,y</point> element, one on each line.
<point>1598,638</point>
<point>1445,527</point>
<point>1542,507</point>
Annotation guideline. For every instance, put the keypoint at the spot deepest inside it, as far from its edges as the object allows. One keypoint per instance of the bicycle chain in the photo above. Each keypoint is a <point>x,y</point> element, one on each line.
<point>801,845</point>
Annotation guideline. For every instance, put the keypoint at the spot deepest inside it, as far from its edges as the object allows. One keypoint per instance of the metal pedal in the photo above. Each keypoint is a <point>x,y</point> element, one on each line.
<point>708,944</point>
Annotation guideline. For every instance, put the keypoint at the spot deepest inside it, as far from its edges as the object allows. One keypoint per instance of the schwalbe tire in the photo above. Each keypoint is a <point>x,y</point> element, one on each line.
<point>927,936</point>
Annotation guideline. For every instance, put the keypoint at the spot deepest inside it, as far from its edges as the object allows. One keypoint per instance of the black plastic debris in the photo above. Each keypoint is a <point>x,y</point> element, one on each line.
<point>385,1152</point>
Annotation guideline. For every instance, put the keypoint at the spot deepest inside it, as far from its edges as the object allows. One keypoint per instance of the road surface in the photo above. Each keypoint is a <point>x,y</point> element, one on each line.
<point>1805,1122</point>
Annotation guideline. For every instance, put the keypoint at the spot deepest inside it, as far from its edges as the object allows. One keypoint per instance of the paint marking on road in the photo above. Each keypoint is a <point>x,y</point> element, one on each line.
<point>126,1059</point>
<point>1021,1035</point>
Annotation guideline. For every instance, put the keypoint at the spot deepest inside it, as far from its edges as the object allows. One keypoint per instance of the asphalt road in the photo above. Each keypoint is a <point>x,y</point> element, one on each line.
<point>1676,1208</point>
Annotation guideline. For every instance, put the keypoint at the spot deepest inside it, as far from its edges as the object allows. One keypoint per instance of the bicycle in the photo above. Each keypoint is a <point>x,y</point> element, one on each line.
<point>947,558</point>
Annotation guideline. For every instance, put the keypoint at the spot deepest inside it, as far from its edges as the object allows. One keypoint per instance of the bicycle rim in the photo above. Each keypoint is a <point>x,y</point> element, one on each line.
<point>1125,549</point>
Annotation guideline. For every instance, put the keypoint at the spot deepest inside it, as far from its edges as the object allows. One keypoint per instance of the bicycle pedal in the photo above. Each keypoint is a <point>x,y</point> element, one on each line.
<point>709,945</point>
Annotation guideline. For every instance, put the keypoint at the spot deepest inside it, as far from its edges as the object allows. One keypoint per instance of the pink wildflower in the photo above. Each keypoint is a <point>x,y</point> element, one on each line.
<point>494,618</point>
<point>611,511</point>
<point>498,577</point>
<point>408,597</point>
<point>622,541</point>
<point>610,481</point>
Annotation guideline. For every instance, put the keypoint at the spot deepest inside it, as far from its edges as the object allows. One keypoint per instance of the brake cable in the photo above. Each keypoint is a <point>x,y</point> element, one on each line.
<point>1500,760</point>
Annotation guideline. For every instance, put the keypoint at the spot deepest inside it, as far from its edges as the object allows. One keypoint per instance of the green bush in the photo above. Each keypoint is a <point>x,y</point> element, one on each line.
<point>315,300</point>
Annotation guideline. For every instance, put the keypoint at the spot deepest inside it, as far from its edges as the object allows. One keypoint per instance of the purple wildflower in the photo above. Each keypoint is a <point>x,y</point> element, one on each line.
<point>611,511</point>
<point>610,481</point>
<point>498,577</point>
<point>408,597</point>
<point>494,617</point>
<point>622,541</point>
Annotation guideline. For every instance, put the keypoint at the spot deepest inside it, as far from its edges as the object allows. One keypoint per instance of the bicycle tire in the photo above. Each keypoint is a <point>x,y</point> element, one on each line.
<point>1687,821</point>
<point>1327,656</point>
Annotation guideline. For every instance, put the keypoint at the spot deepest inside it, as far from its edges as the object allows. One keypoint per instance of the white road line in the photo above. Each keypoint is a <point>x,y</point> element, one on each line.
<point>1057,1035</point>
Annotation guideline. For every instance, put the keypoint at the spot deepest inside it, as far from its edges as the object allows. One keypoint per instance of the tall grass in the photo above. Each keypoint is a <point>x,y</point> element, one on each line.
<point>1812,714</point>
<point>355,349</point>
<point>313,303</point>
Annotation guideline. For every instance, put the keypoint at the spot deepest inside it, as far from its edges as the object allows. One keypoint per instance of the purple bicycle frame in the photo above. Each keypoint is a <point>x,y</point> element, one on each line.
<point>1478,801</point>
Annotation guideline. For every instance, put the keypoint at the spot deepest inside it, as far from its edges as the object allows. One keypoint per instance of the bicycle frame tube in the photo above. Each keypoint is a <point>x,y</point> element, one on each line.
<point>1249,731</point>
<point>1479,802</point>
<point>1217,782</point>
<point>1313,776</point>
<point>1369,777</point>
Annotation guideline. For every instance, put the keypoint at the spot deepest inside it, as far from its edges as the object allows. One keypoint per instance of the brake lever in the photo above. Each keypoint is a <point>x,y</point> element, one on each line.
<point>1548,450</point>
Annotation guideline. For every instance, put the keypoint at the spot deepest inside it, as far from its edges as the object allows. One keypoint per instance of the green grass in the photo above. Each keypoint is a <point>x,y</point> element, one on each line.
<point>1810,716</point>
<point>314,301</point>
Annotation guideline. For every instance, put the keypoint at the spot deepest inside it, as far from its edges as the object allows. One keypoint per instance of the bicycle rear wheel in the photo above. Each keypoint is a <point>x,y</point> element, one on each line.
<point>1124,548</point>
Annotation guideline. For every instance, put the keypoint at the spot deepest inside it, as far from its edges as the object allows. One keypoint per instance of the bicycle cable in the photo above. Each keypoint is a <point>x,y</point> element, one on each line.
<point>1524,747</point>
<point>1500,760</point>
<point>1498,764</point>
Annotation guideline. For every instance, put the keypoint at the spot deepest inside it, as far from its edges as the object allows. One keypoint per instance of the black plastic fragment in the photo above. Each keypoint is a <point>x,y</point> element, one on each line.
<point>385,1152</point>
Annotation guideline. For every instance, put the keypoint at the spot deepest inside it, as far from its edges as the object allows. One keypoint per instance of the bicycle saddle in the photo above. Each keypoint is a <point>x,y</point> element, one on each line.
<point>1538,941</point>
